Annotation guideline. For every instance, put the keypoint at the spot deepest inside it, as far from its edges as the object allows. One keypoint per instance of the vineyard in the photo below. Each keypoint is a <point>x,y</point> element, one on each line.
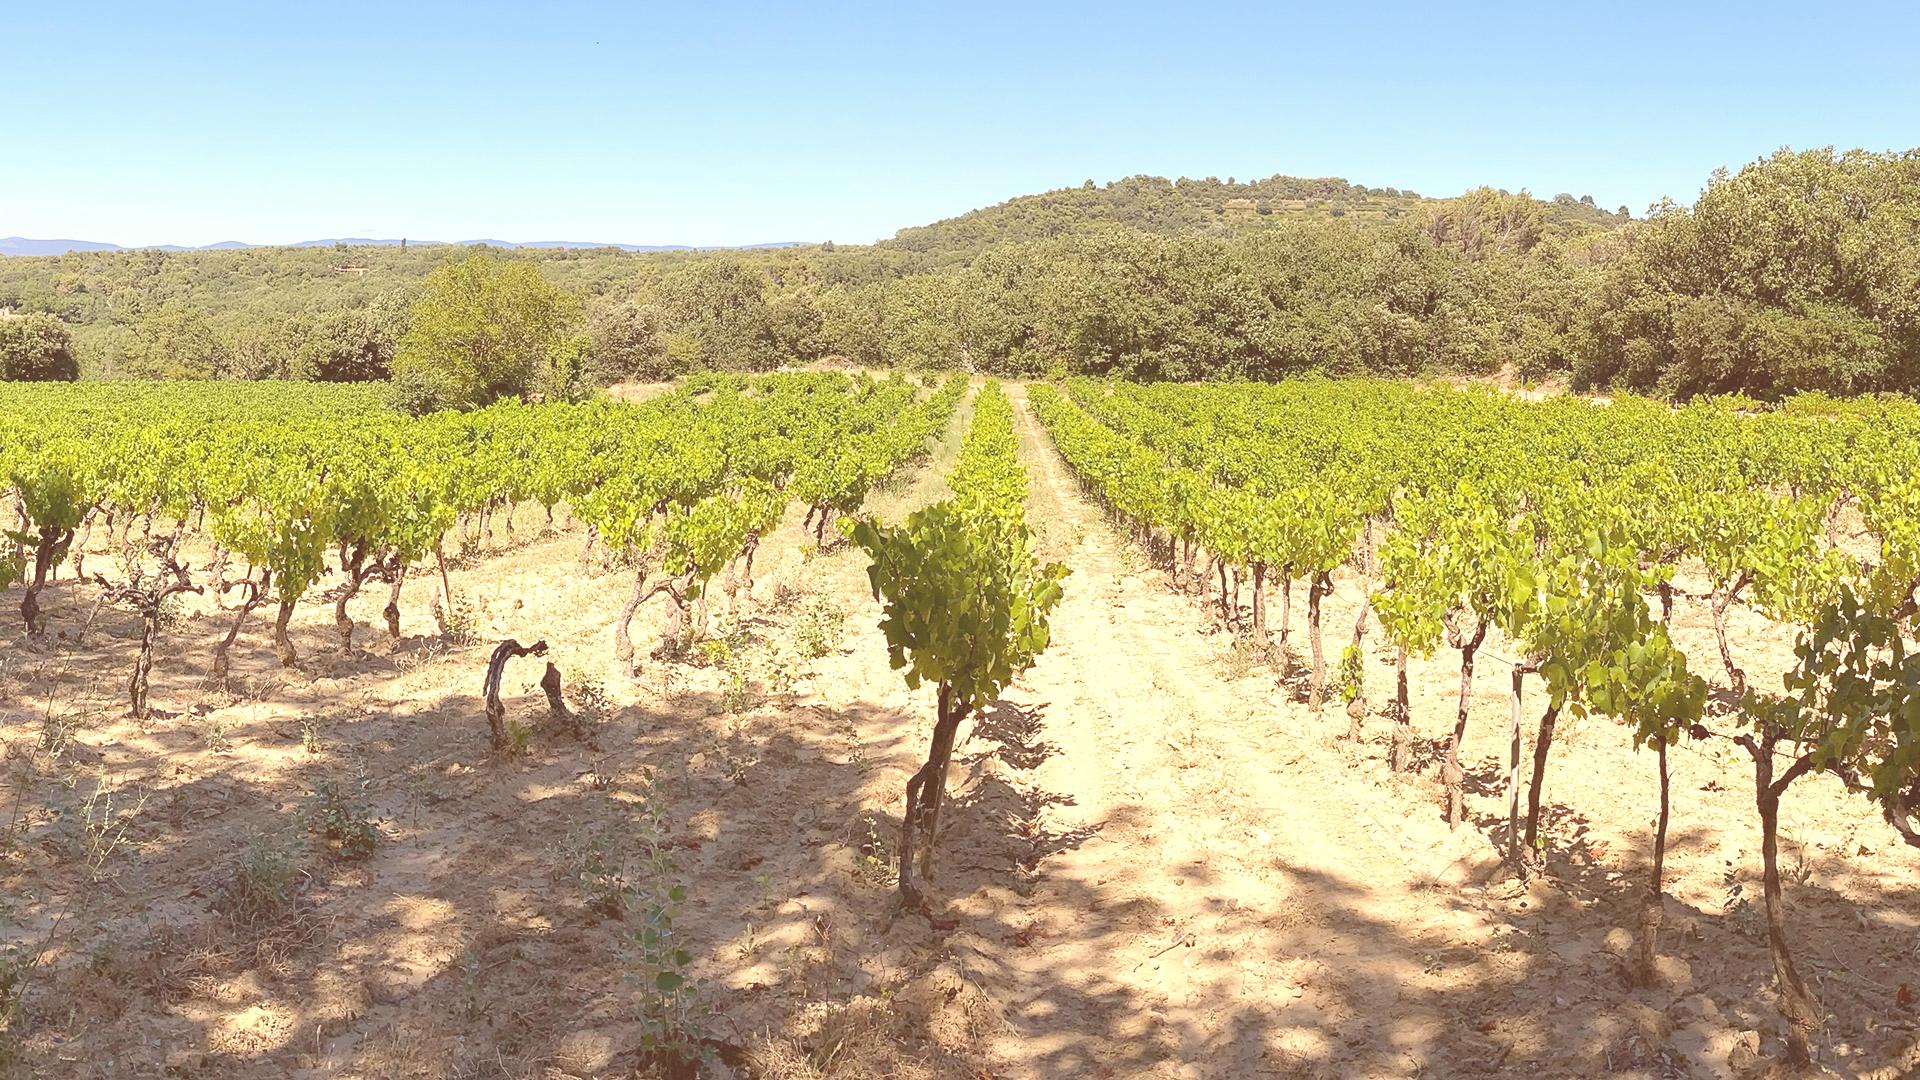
<point>906,727</point>
<point>683,486</point>
<point>1541,532</point>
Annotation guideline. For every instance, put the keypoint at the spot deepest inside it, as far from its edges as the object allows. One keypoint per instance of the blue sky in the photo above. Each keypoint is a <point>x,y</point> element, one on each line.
<point>719,124</point>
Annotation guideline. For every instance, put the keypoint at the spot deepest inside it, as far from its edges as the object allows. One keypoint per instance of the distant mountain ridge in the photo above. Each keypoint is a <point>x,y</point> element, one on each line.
<point>1173,207</point>
<point>20,245</point>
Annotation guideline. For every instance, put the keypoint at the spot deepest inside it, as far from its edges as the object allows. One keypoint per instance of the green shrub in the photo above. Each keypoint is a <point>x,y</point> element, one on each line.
<point>340,815</point>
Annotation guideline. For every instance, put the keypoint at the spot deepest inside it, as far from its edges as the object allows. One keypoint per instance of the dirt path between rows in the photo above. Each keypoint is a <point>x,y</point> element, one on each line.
<point>1212,909</point>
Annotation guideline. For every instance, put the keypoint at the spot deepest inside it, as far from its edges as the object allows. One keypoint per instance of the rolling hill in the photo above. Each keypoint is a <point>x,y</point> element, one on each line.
<point>1186,206</point>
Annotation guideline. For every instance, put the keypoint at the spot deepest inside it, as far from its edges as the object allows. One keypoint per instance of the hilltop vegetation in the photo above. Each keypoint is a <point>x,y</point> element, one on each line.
<point>1796,273</point>
<point>1208,207</point>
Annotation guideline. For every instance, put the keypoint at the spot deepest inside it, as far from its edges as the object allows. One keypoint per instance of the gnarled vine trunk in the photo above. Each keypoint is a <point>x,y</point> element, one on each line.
<point>586,547</point>
<point>739,580</point>
<point>217,576</point>
<point>557,707</point>
<point>397,576</point>
<point>149,597</point>
<point>1796,1002</point>
<point>1451,774</point>
<point>622,644</point>
<point>1317,683</point>
<point>1653,912</point>
<point>1260,604</point>
<point>925,790</point>
<point>746,577</point>
<point>80,542</point>
<point>51,548</point>
<point>1402,716</point>
<point>1720,602</point>
<point>282,643</point>
<point>21,524</point>
<point>143,665</point>
<point>150,606</point>
<point>498,734</point>
<point>1521,669</point>
<point>1226,616</point>
<point>442,604</point>
<point>679,631</point>
<point>256,592</point>
<point>354,567</point>
<point>1542,743</point>
<point>1357,708</point>
<point>1286,603</point>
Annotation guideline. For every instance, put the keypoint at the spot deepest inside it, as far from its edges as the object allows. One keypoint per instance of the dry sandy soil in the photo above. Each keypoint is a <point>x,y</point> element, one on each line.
<point>1156,862</point>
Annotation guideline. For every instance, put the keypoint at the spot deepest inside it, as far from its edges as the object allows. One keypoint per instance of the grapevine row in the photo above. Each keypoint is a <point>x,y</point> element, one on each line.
<point>300,483</point>
<point>1561,525</point>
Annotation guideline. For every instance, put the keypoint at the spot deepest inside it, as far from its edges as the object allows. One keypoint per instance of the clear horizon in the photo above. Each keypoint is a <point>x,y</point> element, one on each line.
<point>583,122</point>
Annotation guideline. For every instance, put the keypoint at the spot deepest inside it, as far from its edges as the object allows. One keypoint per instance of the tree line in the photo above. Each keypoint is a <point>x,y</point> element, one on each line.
<point>1798,272</point>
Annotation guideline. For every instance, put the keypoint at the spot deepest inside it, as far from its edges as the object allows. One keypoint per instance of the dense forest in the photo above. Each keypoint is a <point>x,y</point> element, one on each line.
<point>1798,272</point>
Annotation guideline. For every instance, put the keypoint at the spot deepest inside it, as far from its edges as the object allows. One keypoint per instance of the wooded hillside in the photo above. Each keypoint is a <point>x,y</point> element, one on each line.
<point>1795,273</point>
